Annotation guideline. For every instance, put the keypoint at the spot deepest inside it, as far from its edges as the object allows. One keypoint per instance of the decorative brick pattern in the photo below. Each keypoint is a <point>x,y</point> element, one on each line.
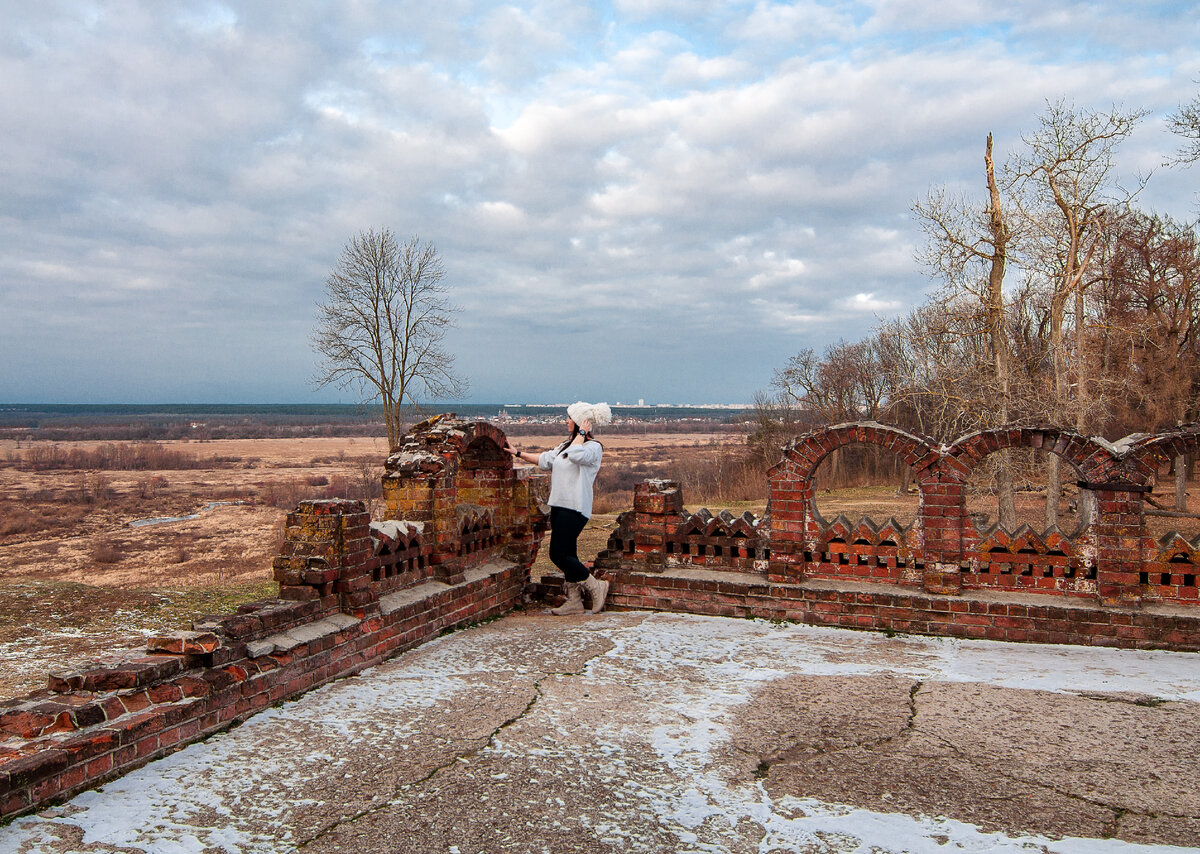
<point>1112,575</point>
<point>1028,561</point>
<point>1112,559</point>
<point>658,534</point>
<point>1170,569</point>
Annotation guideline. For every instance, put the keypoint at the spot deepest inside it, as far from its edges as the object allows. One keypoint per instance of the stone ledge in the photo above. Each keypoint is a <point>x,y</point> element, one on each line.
<point>388,605</point>
<point>393,602</point>
<point>300,635</point>
<point>1042,600</point>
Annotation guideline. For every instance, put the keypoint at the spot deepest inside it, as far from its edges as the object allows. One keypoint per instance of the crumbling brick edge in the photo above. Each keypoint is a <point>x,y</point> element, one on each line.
<point>103,722</point>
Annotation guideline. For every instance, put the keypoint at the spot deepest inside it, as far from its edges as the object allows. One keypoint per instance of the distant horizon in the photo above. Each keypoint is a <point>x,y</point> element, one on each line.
<point>425,405</point>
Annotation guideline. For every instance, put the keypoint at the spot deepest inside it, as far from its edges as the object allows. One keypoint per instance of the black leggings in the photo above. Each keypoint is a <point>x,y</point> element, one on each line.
<point>565,526</point>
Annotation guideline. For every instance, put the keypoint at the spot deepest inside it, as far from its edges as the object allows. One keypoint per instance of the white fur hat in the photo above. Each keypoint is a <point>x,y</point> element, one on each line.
<point>597,413</point>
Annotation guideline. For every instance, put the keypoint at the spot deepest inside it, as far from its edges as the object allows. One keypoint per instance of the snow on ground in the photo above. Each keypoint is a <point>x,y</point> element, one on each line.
<point>658,757</point>
<point>725,659</point>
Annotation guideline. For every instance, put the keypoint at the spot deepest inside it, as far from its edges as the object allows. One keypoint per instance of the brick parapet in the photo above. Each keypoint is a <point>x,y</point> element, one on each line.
<point>1020,618</point>
<point>942,551</point>
<point>103,721</point>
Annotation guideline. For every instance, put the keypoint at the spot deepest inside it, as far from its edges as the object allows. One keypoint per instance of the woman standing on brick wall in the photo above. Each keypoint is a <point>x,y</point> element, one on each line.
<point>573,466</point>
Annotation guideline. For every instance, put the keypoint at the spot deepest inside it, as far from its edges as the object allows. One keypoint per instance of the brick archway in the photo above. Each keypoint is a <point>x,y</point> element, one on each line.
<point>802,455</point>
<point>796,526</point>
<point>1143,456</point>
<point>1092,459</point>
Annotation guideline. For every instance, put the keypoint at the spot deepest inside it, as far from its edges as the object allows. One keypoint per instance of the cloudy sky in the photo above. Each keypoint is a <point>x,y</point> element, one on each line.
<point>657,199</point>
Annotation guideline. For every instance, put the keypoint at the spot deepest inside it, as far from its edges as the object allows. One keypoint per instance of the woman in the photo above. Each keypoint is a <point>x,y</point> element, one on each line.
<point>573,466</point>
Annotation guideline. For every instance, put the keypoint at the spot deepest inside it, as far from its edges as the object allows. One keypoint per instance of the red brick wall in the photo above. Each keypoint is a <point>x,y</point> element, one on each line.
<point>911,611</point>
<point>941,575</point>
<point>1113,560</point>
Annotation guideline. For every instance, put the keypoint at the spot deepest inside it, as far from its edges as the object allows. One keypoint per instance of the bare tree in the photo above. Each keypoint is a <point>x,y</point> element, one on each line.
<point>1149,307</point>
<point>775,421</point>
<point>968,246</point>
<point>382,325</point>
<point>1064,182</point>
<point>369,474</point>
<point>846,384</point>
<point>1186,123</point>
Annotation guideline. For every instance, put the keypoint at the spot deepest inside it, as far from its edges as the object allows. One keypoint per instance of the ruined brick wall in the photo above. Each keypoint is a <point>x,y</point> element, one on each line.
<point>454,479</point>
<point>1112,560</point>
<point>1108,583</point>
<point>462,532</point>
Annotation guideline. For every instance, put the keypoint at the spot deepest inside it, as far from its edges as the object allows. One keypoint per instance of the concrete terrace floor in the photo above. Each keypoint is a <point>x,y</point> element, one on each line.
<point>658,732</point>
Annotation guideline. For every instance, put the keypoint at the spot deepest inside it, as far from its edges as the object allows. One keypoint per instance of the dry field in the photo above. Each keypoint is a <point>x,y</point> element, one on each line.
<point>77,579</point>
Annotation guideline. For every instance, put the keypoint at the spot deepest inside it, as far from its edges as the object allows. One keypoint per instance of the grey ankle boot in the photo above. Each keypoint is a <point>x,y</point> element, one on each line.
<point>574,603</point>
<point>597,592</point>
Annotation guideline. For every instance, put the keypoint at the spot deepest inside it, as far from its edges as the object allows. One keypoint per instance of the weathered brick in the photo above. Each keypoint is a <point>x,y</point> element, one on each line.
<point>29,770</point>
<point>183,643</point>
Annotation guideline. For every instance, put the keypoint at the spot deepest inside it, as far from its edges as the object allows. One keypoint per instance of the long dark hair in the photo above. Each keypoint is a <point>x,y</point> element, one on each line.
<point>575,431</point>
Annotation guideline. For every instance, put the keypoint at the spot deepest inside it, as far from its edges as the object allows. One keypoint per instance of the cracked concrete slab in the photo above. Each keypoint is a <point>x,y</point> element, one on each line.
<point>996,758</point>
<point>657,732</point>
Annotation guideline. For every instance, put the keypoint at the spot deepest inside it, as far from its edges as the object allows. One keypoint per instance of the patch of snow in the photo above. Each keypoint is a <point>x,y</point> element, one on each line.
<point>160,520</point>
<point>725,660</point>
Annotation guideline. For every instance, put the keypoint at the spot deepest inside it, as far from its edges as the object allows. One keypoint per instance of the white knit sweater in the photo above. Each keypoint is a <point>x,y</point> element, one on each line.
<point>572,476</point>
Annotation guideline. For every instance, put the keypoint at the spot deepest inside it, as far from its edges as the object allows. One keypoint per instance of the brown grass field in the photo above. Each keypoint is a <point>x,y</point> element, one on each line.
<point>77,580</point>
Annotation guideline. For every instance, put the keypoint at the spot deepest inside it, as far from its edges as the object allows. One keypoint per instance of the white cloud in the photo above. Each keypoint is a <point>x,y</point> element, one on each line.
<point>688,69</point>
<point>652,165</point>
<point>869,304</point>
<point>774,270</point>
<point>678,9</point>
<point>521,46</point>
<point>801,22</point>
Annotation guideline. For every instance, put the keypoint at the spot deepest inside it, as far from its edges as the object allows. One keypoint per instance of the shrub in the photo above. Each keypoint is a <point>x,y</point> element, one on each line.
<point>284,494</point>
<point>17,520</point>
<point>613,502</point>
<point>92,488</point>
<point>149,485</point>
<point>106,551</point>
<point>725,476</point>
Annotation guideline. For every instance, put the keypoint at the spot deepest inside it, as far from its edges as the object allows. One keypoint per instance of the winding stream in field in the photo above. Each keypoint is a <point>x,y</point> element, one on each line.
<point>160,520</point>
